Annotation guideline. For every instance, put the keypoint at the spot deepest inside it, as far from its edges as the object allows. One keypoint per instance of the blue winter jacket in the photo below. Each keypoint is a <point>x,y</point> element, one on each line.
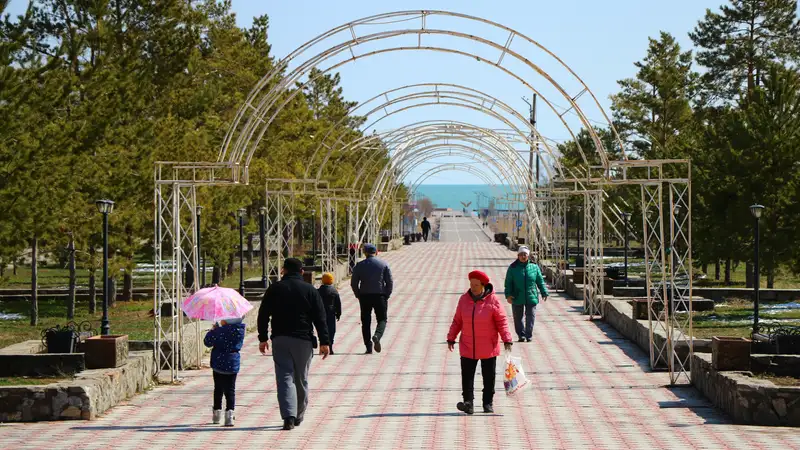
<point>226,341</point>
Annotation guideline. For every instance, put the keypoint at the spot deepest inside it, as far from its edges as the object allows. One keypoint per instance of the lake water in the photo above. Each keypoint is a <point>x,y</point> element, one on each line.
<point>451,195</point>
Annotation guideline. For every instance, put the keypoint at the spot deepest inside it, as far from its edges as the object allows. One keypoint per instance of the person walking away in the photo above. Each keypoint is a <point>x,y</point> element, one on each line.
<point>294,309</point>
<point>524,283</point>
<point>225,339</point>
<point>332,303</point>
<point>482,322</point>
<point>426,228</point>
<point>372,285</point>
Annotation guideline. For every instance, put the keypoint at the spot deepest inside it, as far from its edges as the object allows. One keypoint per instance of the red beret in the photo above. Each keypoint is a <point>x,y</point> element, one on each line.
<point>480,276</point>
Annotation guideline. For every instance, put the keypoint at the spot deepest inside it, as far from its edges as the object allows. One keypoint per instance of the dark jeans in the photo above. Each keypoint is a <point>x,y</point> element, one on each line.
<point>488,367</point>
<point>225,384</point>
<point>331,318</point>
<point>425,235</point>
<point>368,302</point>
<point>525,331</point>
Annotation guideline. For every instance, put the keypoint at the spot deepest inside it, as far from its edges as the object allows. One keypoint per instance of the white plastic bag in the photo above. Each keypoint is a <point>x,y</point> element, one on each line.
<point>514,379</point>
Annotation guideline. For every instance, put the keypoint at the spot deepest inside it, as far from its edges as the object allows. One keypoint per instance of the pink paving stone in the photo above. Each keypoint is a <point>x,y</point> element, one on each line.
<point>591,388</point>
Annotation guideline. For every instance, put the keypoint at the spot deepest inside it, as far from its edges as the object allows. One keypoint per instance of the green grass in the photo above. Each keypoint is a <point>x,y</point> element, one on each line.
<point>131,318</point>
<point>26,381</point>
<point>783,280</point>
<point>735,319</point>
<point>55,277</point>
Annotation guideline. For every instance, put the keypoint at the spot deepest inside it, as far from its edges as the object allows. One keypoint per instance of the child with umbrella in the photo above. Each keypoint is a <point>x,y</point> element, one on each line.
<point>226,308</point>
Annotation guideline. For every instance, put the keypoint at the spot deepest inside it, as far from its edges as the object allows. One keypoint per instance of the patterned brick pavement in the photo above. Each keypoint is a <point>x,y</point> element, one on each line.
<point>591,387</point>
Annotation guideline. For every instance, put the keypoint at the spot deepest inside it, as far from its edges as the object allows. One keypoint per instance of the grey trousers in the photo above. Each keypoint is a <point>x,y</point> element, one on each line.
<point>292,357</point>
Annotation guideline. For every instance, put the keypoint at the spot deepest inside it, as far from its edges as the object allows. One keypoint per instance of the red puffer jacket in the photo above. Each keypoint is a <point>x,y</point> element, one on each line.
<point>481,323</point>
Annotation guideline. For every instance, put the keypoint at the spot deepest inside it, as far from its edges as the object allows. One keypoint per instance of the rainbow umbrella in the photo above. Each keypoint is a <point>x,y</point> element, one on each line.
<point>215,304</point>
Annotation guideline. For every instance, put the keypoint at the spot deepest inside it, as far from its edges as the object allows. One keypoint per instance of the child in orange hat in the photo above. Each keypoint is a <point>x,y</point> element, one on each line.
<point>332,302</point>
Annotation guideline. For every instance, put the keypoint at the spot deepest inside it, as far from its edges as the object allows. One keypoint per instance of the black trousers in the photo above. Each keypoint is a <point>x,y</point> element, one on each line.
<point>225,384</point>
<point>425,235</point>
<point>368,302</point>
<point>488,367</point>
<point>330,317</point>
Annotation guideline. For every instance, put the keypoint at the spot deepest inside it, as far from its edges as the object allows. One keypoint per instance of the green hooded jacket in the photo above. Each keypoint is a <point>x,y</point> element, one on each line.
<point>524,282</point>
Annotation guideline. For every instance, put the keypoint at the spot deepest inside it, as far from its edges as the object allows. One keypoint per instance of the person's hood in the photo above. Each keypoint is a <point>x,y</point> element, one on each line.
<point>487,291</point>
<point>234,326</point>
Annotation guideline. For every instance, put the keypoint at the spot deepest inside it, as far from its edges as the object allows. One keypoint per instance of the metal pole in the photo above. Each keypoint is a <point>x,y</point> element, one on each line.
<point>199,248</point>
<point>533,122</point>
<point>314,235</point>
<point>262,237</point>
<point>566,237</point>
<point>756,281</point>
<point>105,329</point>
<point>625,216</point>
<point>241,255</point>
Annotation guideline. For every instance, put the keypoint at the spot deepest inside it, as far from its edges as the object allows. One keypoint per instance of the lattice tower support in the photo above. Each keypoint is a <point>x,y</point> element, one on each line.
<point>396,211</point>
<point>175,255</point>
<point>680,323</point>
<point>326,234</point>
<point>656,274</point>
<point>558,207</point>
<point>273,233</point>
<point>287,224</point>
<point>593,253</point>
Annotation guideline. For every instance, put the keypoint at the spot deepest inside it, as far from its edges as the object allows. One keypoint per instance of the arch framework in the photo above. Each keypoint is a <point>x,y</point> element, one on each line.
<point>665,186</point>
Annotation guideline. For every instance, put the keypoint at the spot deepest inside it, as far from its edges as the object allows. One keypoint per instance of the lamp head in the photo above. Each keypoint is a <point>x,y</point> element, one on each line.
<point>756,211</point>
<point>241,212</point>
<point>262,210</point>
<point>199,210</point>
<point>105,206</point>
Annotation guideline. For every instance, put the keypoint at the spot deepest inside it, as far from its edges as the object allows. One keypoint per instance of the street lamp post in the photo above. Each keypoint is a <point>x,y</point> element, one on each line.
<point>756,210</point>
<point>262,215</point>
<point>202,267</point>
<point>241,213</point>
<point>625,217</point>
<point>105,207</point>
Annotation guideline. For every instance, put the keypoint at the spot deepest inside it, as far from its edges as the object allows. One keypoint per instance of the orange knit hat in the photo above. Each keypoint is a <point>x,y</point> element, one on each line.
<point>327,278</point>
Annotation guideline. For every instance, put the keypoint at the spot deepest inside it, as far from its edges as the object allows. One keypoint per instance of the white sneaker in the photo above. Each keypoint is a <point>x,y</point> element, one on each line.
<point>216,417</point>
<point>229,418</point>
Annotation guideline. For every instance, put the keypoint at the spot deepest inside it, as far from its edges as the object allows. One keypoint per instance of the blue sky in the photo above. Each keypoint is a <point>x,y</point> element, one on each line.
<point>599,40</point>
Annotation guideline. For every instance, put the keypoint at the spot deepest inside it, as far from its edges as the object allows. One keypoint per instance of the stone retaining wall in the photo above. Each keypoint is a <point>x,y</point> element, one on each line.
<point>746,399</point>
<point>42,365</point>
<point>89,394</point>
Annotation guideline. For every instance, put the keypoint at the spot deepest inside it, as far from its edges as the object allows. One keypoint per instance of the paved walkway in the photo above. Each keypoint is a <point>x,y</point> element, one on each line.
<point>591,387</point>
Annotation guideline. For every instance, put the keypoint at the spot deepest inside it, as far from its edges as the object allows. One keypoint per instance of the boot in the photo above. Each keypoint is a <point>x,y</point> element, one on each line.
<point>229,418</point>
<point>288,423</point>
<point>466,407</point>
<point>216,416</point>
<point>376,342</point>
<point>488,408</point>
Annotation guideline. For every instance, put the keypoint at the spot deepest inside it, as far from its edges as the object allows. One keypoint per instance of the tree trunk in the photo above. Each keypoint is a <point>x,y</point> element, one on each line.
<point>771,278</point>
<point>748,275</point>
<point>14,266</point>
<point>127,286</point>
<point>72,280</point>
<point>34,281</point>
<point>231,265</point>
<point>728,272</point>
<point>705,268</point>
<point>250,249</point>
<point>716,270</point>
<point>92,292</point>
<point>112,292</point>
<point>215,275</point>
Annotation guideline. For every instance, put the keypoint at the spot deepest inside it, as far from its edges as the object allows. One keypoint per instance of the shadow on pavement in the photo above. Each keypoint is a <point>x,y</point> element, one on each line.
<point>450,414</point>
<point>629,348</point>
<point>185,428</point>
<point>692,399</point>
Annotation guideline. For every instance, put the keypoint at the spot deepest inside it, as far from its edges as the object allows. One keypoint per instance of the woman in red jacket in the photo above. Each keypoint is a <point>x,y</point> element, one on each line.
<point>481,320</point>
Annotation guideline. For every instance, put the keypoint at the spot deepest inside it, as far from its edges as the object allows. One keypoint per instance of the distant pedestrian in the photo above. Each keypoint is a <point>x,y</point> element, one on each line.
<point>332,303</point>
<point>372,285</point>
<point>426,228</point>
<point>481,321</point>
<point>225,339</point>
<point>524,283</point>
<point>295,309</point>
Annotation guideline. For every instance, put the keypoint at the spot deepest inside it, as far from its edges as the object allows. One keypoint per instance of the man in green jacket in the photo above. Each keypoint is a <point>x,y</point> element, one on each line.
<point>524,283</point>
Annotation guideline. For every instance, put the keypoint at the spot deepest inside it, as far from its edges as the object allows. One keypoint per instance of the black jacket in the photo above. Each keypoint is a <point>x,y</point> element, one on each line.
<point>295,309</point>
<point>426,226</point>
<point>331,299</point>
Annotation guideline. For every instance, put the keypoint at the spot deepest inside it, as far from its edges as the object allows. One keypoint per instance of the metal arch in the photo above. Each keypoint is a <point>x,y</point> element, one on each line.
<point>475,99</point>
<point>287,81</point>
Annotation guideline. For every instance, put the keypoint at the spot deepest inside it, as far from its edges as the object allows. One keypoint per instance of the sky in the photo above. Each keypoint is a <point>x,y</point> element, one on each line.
<point>598,40</point>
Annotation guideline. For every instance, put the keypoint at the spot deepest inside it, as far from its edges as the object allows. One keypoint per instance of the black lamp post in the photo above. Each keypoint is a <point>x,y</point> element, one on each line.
<point>756,210</point>
<point>625,217</point>
<point>105,207</point>
<point>262,215</point>
<point>201,262</point>
<point>566,238</point>
<point>241,213</point>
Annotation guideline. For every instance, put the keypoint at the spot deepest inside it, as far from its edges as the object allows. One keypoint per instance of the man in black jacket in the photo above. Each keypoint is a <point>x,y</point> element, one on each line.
<point>426,228</point>
<point>295,308</point>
